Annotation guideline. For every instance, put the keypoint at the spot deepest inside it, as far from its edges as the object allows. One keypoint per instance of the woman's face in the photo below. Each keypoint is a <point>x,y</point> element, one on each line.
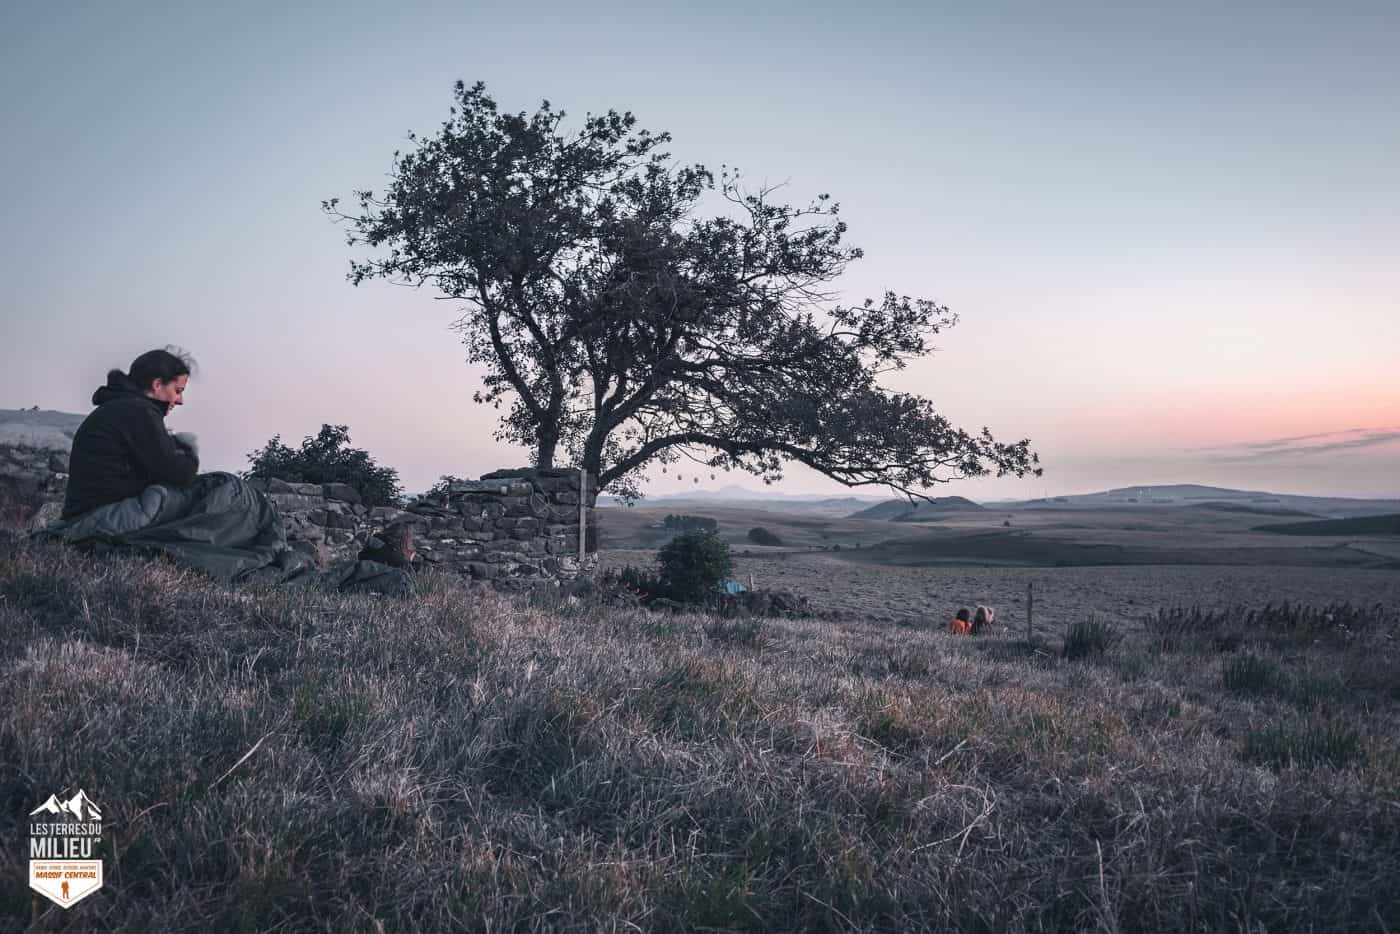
<point>171,393</point>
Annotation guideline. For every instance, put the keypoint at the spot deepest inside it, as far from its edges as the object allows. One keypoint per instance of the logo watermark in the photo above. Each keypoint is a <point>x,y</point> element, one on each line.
<point>63,836</point>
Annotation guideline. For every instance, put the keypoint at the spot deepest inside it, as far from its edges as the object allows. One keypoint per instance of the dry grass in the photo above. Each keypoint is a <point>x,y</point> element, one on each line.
<point>459,761</point>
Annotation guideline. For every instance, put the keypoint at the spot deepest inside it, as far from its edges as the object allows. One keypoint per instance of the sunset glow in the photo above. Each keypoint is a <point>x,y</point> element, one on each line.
<point>1170,236</point>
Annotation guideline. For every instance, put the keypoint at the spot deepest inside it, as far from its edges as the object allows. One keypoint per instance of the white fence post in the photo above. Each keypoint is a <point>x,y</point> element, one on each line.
<point>582,514</point>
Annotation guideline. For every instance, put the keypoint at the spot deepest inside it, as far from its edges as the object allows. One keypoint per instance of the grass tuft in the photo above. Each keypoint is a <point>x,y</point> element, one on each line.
<point>1329,742</point>
<point>1088,638</point>
<point>1249,674</point>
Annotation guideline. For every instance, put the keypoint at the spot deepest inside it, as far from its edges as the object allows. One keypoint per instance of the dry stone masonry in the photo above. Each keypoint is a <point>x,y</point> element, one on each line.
<point>326,521</point>
<point>34,446</point>
<point>510,524</point>
<point>521,523</point>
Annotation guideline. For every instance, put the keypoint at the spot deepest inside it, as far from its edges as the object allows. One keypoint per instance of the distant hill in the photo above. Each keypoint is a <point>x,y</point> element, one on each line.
<point>1359,525</point>
<point>740,497</point>
<point>901,510</point>
<point>1194,494</point>
<point>44,429</point>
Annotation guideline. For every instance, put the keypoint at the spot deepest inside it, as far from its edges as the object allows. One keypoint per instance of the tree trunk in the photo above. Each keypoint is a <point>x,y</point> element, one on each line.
<point>593,456</point>
<point>544,452</point>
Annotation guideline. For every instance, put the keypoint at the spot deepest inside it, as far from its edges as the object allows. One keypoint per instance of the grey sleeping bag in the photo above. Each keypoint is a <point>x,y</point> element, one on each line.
<point>225,528</point>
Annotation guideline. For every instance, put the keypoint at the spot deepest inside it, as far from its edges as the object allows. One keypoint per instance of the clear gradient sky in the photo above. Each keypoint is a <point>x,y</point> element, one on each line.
<point>1172,236</point>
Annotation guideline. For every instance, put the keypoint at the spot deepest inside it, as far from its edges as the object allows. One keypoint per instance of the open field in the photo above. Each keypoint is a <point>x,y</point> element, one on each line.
<point>288,760</point>
<point>1120,563</point>
<point>900,593</point>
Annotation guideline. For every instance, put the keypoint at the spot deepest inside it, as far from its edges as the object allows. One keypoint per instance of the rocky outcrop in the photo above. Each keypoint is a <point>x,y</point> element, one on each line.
<point>34,446</point>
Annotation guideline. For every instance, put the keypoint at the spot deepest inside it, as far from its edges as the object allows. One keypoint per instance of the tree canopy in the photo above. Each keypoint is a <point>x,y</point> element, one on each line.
<point>629,310</point>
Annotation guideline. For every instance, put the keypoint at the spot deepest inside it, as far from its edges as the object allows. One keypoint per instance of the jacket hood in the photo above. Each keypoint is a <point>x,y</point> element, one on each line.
<point>121,386</point>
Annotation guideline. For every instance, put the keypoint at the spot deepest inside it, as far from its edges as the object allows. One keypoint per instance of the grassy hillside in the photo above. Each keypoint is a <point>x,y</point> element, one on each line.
<point>454,761</point>
<point>1360,525</point>
<point>903,510</point>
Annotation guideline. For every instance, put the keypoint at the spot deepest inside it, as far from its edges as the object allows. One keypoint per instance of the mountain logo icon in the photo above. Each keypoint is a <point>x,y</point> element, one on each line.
<point>79,807</point>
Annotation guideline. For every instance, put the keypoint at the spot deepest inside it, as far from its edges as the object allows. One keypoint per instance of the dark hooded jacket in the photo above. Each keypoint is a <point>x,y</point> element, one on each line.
<point>122,448</point>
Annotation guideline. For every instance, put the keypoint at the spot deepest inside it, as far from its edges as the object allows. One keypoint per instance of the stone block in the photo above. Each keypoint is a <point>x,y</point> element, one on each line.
<point>290,502</point>
<point>314,550</point>
<point>496,487</point>
<point>48,514</point>
<point>505,544</point>
<point>335,520</point>
<point>482,570</point>
<point>480,509</point>
<point>343,492</point>
<point>390,514</point>
<point>534,505</point>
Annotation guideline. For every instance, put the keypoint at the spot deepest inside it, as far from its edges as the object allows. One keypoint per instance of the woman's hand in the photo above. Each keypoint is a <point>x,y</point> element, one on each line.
<point>188,440</point>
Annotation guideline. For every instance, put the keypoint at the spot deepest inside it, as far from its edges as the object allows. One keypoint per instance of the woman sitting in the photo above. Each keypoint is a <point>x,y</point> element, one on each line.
<point>123,446</point>
<point>132,484</point>
<point>962,623</point>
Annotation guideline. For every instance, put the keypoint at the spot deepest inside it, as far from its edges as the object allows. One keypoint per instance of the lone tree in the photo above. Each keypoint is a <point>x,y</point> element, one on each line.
<point>630,310</point>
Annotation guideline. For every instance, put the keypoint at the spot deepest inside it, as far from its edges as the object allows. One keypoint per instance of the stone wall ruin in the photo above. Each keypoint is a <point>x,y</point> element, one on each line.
<point>509,525</point>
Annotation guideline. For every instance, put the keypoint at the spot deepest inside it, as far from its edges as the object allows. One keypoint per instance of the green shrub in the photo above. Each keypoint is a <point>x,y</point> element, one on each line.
<point>1089,637</point>
<point>1249,674</point>
<point>761,536</point>
<point>691,523</point>
<point>692,565</point>
<point>327,458</point>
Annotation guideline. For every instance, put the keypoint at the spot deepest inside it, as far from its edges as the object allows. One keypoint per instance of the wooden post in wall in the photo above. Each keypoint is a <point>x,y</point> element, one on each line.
<point>582,514</point>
